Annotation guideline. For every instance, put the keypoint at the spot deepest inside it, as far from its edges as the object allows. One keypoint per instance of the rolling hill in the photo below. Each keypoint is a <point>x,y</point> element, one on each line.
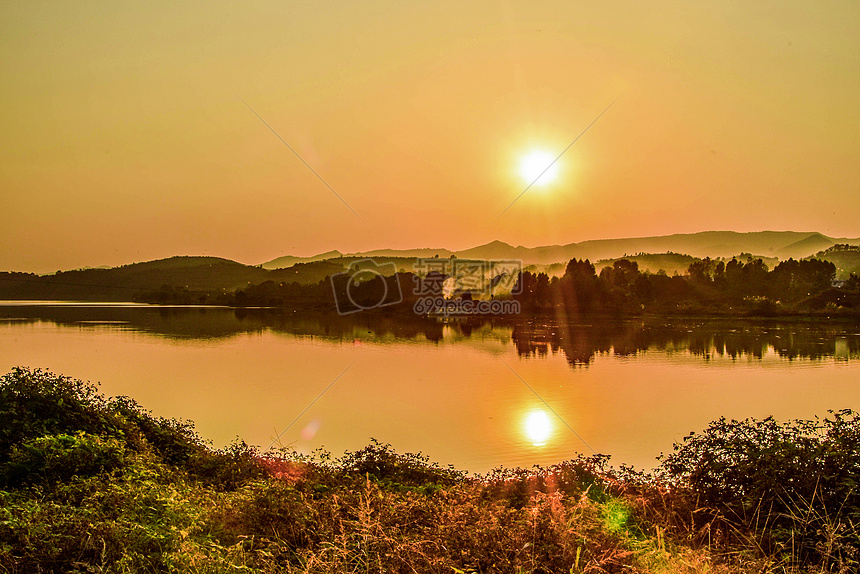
<point>197,274</point>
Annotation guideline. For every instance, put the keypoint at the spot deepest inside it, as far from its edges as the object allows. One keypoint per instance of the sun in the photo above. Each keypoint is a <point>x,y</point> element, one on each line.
<point>539,167</point>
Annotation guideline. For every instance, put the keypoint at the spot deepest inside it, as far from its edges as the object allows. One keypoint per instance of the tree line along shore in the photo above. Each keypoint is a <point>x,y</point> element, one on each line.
<point>826,284</point>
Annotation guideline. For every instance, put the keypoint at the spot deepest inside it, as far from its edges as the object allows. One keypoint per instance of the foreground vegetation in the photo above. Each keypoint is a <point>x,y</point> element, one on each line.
<point>91,484</point>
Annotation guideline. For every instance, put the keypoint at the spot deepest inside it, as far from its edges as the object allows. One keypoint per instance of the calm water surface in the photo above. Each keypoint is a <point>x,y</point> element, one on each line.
<point>475,394</point>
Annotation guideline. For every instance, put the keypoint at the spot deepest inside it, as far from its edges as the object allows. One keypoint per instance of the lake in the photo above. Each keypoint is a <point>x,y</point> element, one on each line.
<point>473,393</point>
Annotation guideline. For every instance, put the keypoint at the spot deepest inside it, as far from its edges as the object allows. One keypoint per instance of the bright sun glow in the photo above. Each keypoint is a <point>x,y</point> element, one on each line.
<point>538,427</point>
<point>533,164</point>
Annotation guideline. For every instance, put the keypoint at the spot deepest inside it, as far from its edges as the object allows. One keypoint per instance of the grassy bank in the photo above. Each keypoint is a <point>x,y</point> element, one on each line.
<point>91,484</point>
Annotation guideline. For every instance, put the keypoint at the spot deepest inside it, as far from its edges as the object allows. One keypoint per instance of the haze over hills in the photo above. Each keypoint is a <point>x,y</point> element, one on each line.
<point>780,244</point>
<point>805,247</point>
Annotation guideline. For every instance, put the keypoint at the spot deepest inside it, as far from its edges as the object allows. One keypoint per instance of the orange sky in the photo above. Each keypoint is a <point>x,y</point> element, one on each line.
<point>124,137</point>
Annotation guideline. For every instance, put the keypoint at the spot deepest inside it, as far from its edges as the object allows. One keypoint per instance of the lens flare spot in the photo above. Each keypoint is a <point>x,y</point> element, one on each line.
<point>538,427</point>
<point>311,429</point>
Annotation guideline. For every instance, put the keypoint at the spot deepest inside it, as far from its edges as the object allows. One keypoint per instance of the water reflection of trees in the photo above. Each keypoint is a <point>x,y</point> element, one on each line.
<point>579,342</point>
<point>212,323</point>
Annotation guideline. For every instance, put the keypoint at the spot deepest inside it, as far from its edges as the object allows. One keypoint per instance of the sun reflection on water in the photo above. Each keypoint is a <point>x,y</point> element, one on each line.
<point>538,427</point>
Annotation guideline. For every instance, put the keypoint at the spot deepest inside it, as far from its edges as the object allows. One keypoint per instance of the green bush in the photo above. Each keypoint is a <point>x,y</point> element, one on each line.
<point>56,458</point>
<point>226,469</point>
<point>794,485</point>
<point>36,403</point>
<point>174,441</point>
<point>44,415</point>
<point>382,463</point>
<point>127,521</point>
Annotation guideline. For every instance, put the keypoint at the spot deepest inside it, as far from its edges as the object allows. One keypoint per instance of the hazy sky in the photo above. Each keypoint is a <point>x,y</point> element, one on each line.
<point>123,135</point>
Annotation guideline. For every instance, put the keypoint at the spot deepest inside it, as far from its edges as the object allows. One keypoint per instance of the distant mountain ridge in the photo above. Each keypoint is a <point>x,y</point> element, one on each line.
<point>289,260</point>
<point>780,244</point>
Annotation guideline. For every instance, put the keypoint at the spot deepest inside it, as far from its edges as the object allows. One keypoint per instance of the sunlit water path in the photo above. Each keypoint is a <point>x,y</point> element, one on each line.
<point>476,395</point>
